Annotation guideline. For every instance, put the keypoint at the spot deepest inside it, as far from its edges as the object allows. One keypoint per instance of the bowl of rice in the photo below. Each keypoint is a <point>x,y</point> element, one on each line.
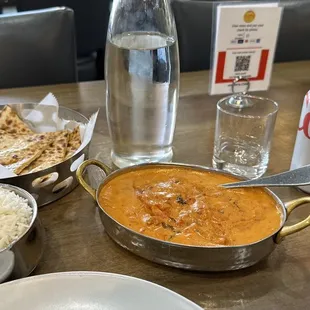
<point>21,233</point>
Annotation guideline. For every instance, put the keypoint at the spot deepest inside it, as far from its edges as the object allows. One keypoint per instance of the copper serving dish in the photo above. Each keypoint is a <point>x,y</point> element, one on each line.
<point>203,258</point>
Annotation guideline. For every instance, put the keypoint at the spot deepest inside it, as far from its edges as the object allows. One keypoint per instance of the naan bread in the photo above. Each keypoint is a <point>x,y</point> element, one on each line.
<point>74,142</point>
<point>18,151</point>
<point>53,154</point>
<point>11,123</point>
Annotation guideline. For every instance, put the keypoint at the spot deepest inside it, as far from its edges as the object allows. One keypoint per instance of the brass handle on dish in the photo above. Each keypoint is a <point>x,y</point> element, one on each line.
<point>288,230</point>
<point>80,174</point>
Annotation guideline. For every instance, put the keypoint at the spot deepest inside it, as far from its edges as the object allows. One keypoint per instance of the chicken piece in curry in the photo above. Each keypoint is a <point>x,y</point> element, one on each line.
<point>187,206</point>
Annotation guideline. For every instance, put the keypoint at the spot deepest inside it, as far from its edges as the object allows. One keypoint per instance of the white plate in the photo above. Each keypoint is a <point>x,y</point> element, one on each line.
<point>89,291</point>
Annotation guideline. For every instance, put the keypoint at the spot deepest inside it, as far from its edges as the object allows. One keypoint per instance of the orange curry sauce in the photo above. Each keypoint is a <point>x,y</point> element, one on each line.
<point>185,206</point>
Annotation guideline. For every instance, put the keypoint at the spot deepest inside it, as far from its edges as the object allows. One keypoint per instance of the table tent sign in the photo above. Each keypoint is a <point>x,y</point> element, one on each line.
<point>244,42</point>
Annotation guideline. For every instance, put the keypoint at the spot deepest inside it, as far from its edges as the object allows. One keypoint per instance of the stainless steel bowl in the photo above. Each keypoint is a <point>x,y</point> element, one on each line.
<point>202,258</point>
<point>53,183</point>
<point>22,256</point>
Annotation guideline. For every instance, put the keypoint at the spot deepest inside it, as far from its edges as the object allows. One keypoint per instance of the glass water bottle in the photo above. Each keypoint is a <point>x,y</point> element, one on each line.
<point>142,81</point>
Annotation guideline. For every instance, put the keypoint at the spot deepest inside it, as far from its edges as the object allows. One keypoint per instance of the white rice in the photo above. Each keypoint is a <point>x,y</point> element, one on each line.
<point>15,217</point>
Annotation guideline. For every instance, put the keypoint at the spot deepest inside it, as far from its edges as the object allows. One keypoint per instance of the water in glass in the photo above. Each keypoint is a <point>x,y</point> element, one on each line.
<point>245,158</point>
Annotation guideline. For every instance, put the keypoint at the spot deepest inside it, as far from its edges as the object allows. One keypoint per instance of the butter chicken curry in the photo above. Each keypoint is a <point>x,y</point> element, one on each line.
<point>187,206</point>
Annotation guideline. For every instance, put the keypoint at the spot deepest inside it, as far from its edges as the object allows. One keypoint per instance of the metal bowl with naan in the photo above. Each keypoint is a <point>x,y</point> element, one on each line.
<point>42,163</point>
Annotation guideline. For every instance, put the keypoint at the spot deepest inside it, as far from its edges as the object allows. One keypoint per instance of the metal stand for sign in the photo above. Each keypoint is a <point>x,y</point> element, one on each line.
<point>237,100</point>
<point>240,79</point>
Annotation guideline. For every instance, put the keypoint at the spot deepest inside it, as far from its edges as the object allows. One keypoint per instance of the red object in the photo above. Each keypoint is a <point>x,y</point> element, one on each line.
<point>305,125</point>
<point>219,77</point>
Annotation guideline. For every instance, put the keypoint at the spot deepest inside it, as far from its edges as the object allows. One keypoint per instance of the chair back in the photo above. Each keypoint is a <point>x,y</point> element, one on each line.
<point>37,48</point>
<point>91,20</point>
<point>194,26</point>
<point>293,39</point>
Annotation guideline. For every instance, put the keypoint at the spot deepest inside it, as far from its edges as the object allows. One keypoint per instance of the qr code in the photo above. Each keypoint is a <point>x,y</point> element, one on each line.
<point>242,63</point>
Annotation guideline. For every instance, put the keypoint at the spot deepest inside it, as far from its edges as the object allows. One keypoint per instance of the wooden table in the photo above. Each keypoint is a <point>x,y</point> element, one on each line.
<point>76,239</point>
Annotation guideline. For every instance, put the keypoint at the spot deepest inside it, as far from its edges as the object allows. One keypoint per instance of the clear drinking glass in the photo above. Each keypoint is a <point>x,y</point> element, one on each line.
<point>142,80</point>
<point>243,135</point>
